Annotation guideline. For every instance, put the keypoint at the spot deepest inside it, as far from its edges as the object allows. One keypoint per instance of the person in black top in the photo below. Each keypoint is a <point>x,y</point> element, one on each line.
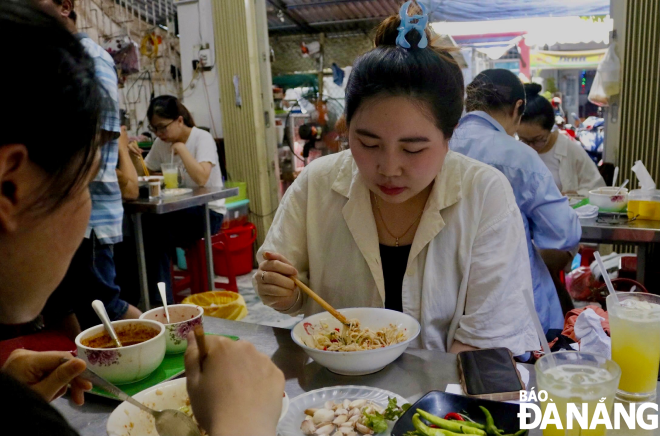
<point>48,155</point>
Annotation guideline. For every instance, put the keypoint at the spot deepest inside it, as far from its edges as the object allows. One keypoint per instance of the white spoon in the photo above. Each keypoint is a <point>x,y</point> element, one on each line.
<point>99,308</point>
<point>161,289</point>
<point>622,186</point>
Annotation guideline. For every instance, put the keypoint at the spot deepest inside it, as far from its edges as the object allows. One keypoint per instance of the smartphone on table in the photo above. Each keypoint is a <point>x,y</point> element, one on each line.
<point>490,374</point>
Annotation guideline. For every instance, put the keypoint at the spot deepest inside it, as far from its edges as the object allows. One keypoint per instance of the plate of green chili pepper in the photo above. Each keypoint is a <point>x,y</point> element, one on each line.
<point>441,414</point>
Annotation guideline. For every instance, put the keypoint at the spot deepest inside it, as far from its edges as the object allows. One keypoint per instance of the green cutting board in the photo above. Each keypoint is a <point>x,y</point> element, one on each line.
<point>172,367</point>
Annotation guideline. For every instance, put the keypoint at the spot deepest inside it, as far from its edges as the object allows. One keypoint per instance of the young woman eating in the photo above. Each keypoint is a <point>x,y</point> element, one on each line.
<point>399,221</point>
<point>495,104</point>
<point>44,209</point>
<point>194,152</point>
<point>571,167</point>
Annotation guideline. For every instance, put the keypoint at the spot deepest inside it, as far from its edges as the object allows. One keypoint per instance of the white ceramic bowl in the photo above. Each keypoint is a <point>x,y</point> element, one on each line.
<point>126,364</point>
<point>358,362</point>
<point>128,420</point>
<point>606,201</point>
<point>183,317</point>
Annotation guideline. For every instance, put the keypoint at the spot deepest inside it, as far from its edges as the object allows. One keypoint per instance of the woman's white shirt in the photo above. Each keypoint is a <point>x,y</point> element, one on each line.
<point>468,266</point>
<point>576,171</point>
<point>551,161</point>
<point>202,147</point>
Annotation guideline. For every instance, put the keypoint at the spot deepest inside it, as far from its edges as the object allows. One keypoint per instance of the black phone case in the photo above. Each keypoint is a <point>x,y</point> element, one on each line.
<point>490,373</point>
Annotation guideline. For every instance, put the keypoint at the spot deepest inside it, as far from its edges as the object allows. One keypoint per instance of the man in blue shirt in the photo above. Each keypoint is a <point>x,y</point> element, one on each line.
<point>92,272</point>
<point>495,104</point>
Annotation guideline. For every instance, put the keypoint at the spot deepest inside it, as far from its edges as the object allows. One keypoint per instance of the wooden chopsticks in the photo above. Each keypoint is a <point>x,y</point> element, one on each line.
<point>201,344</point>
<point>144,166</point>
<point>341,318</point>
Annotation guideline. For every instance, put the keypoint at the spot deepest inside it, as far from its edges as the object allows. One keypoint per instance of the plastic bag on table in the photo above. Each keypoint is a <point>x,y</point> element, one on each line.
<point>578,284</point>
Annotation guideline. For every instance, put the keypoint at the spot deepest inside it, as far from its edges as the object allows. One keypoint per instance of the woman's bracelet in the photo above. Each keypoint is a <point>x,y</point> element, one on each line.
<point>294,303</point>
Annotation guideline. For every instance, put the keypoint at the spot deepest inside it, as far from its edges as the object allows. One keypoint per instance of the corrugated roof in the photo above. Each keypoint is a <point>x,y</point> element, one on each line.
<point>293,16</point>
<point>313,16</point>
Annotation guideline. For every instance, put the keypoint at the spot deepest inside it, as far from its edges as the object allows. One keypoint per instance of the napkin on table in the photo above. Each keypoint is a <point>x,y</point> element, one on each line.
<point>589,331</point>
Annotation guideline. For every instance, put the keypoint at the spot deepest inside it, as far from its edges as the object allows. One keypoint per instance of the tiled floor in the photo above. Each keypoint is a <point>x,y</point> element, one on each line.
<point>258,313</point>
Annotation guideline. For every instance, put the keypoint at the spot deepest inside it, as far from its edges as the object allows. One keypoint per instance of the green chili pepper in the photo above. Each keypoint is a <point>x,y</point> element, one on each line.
<point>455,426</point>
<point>428,431</point>
<point>491,429</point>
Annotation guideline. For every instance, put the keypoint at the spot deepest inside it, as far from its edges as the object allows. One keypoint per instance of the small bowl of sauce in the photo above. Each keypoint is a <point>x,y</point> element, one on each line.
<point>128,335</point>
<point>142,351</point>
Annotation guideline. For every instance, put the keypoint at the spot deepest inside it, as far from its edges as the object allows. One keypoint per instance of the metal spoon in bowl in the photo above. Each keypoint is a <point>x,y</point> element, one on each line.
<point>99,308</point>
<point>161,289</point>
<point>168,421</point>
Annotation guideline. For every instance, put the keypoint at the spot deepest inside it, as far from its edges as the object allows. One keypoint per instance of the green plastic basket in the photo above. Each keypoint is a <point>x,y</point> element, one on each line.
<point>242,191</point>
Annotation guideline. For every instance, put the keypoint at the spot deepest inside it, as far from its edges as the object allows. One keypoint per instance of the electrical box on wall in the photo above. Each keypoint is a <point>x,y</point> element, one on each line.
<point>203,57</point>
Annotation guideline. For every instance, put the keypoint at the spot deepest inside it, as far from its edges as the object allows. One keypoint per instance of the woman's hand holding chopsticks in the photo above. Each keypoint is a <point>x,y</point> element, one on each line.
<point>274,283</point>
<point>236,391</point>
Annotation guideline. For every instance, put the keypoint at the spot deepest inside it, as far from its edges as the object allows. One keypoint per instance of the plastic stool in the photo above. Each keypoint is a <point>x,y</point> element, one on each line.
<point>181,280</point>
<point>195,277</point>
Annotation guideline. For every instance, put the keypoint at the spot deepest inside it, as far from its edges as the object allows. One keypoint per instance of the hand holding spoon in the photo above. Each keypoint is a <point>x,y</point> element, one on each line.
<point>168,421</point>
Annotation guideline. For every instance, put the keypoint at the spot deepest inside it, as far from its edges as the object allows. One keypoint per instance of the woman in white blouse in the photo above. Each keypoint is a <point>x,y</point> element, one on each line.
<point>399,221</point>
<point>571,167</point>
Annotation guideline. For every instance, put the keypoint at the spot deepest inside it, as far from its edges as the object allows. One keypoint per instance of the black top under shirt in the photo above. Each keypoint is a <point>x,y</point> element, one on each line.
<point>26,413</point>
<point>395,261</point>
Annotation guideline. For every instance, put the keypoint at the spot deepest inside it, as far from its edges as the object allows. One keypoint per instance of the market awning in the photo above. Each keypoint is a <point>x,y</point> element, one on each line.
<point>476,10</point>
<point>587,59</point>
<point>497,50</point>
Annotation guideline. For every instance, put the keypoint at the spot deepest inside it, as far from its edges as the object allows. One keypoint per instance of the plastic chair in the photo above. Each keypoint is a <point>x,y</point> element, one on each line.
<point>47,340</point>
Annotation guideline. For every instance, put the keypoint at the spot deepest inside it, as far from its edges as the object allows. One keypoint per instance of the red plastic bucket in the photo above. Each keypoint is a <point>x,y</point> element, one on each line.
<point>237,244</point>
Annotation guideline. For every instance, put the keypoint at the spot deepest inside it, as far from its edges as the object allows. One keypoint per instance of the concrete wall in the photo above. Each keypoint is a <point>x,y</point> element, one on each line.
<point>101,19</point>
<point>340,49</point>
<point>201,93</point>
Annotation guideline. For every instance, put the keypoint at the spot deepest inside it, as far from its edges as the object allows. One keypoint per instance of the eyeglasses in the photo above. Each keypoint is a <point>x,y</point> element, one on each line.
<point>537,143</point>
<point>615,220</point>
<point>157,129</point>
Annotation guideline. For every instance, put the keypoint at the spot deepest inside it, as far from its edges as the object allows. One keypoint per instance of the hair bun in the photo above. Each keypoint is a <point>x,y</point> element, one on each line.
<point>386,32</point>
<point>532,89</point>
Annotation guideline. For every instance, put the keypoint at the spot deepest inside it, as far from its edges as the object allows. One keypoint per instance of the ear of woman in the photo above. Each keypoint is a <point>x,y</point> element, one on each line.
<point>18,179</point>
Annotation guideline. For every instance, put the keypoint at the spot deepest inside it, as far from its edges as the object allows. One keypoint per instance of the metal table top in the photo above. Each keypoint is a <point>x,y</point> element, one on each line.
<point>198,197</point>
<point>412,375</point>
<point>618,229</point>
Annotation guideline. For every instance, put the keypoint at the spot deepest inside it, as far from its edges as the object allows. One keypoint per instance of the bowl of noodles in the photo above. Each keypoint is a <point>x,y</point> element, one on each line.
<point>375,339</point>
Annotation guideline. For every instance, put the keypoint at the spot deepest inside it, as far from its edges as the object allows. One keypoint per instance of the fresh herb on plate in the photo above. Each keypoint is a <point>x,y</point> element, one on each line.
<point>378,421</point>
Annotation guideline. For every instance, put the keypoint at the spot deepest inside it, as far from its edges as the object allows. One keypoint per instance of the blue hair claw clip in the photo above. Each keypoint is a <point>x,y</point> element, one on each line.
<point>410,22</point>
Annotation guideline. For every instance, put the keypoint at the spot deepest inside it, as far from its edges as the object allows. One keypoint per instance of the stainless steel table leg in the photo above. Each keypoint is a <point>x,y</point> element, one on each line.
<point>209,249</point>
<point>142,264</point>
<point>642,250</point>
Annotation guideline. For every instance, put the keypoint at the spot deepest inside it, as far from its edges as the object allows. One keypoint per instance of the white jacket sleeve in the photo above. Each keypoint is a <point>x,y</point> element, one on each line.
<point>288,233</point>
<point>496,314</point>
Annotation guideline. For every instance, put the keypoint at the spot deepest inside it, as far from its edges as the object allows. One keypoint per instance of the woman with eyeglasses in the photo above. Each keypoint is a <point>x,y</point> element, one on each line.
<point>495,103</point>
<point>571,167</point>
<point>194,152</point>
